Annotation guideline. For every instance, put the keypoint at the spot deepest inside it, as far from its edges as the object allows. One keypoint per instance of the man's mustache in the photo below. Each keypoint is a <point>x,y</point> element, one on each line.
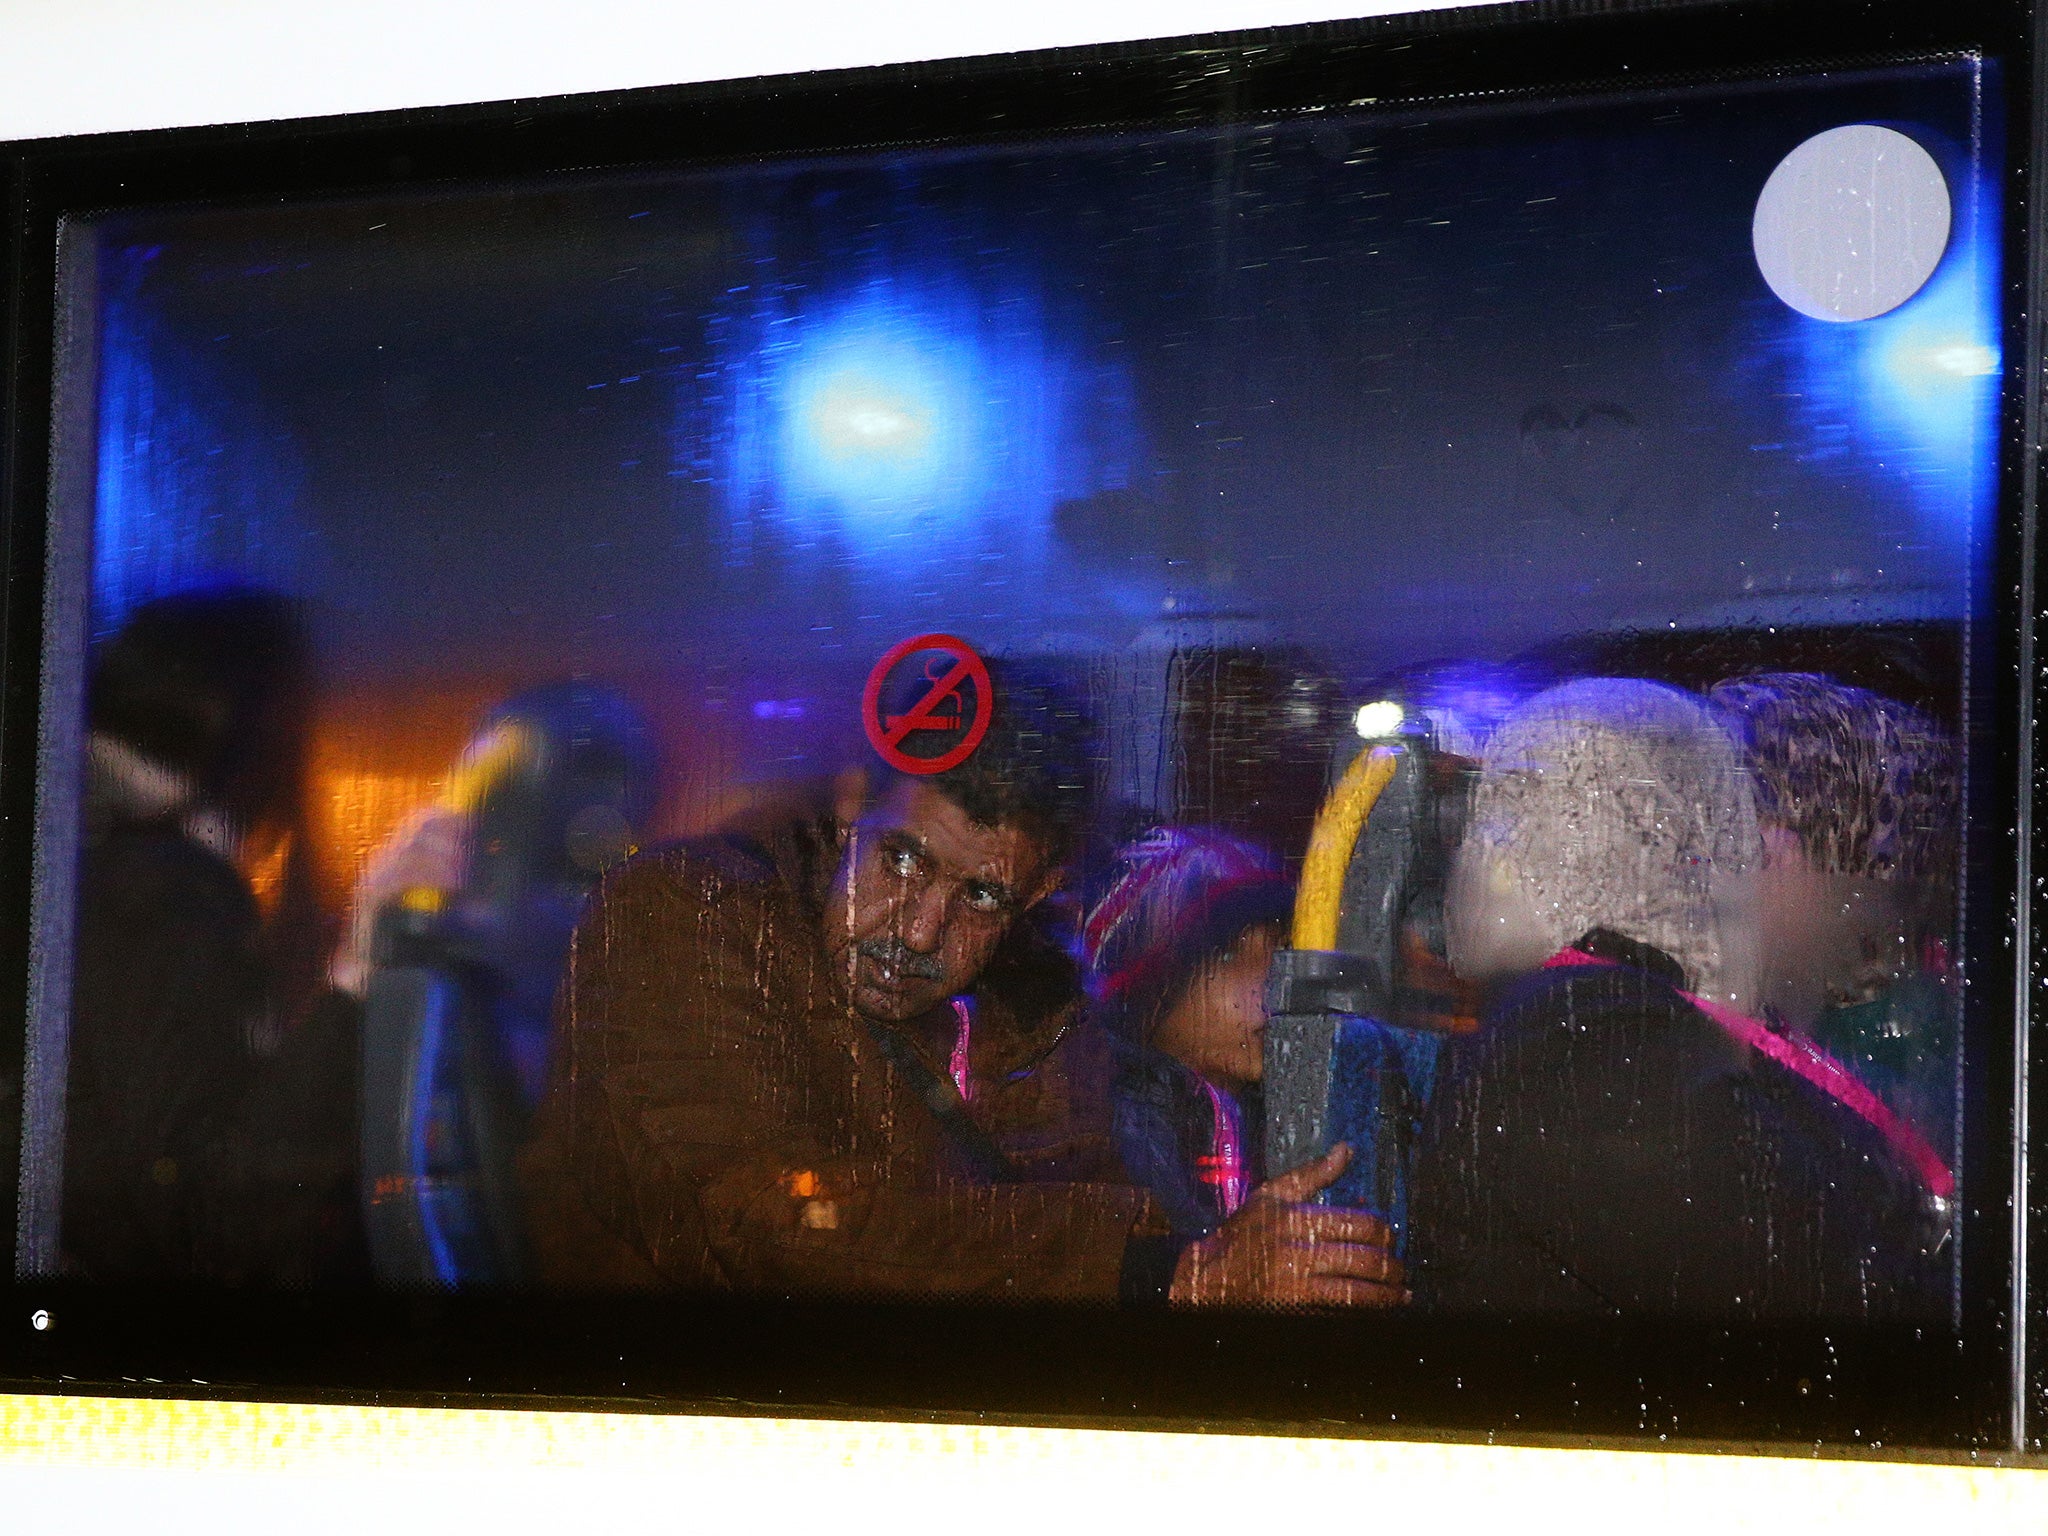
<point>901,959</point>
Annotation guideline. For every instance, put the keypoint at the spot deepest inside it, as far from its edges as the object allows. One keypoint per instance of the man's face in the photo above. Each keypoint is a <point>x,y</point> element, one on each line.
<point>922,897</point>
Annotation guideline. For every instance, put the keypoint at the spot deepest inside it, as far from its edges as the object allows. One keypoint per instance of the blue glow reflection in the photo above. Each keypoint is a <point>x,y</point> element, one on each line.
<point>903,439</point>
<point>1916,390</point>
<point>1932,365</point>
<point>189,486</point>
<point>880,410</point>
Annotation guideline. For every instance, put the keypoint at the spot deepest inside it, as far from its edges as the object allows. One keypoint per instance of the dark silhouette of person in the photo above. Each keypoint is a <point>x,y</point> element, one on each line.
<point>210,1105</point>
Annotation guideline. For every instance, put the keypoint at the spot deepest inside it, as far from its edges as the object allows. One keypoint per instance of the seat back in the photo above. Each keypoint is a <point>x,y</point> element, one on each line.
<point>457,1015</point>
<point>439,1129</point>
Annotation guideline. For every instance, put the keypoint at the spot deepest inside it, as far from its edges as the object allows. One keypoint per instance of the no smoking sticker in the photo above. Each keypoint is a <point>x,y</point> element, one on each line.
<point>927,702</point>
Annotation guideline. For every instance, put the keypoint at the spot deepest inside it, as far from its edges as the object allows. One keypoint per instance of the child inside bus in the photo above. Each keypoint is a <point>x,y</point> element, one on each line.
<point>1177,953</point>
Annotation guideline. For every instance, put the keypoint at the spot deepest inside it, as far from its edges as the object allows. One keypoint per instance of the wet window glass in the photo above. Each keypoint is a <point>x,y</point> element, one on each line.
<point>1363,710</point>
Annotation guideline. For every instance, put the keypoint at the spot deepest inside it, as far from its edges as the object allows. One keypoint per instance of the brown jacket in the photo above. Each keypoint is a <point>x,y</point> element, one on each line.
<point>722,1119</point>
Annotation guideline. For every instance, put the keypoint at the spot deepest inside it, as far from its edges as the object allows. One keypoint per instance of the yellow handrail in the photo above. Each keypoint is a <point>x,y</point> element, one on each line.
<point>1329,846</point>
<point>509,746</point>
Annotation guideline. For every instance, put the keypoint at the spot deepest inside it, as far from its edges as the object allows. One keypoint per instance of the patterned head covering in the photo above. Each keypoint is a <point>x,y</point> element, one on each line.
<point>1614,804</point>
<point>1181,898</point>
<point>1869,786</point>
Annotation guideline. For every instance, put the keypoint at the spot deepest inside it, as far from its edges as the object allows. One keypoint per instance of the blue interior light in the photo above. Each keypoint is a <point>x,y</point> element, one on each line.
<point>1918,385</point>
<point>876,411</point>
<point>888,433</point>
<point>872,406</point>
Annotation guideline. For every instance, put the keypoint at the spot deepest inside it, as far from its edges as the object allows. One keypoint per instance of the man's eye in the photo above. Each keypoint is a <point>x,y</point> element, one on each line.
<point>901,862</point>
<point>982,898</point>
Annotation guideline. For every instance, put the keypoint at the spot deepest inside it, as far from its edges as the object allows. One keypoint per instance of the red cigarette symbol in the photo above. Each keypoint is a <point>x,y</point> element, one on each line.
<point>939,708</point>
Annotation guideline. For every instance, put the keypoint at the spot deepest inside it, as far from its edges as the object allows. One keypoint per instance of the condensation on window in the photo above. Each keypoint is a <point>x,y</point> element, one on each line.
<point>1007,721</point>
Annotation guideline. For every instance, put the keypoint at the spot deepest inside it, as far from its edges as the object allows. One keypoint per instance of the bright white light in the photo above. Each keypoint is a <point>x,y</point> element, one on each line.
<point>857,416</point>
<point>1963,359</point>
<point>1930,363</point>
<point>1379,719</point>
